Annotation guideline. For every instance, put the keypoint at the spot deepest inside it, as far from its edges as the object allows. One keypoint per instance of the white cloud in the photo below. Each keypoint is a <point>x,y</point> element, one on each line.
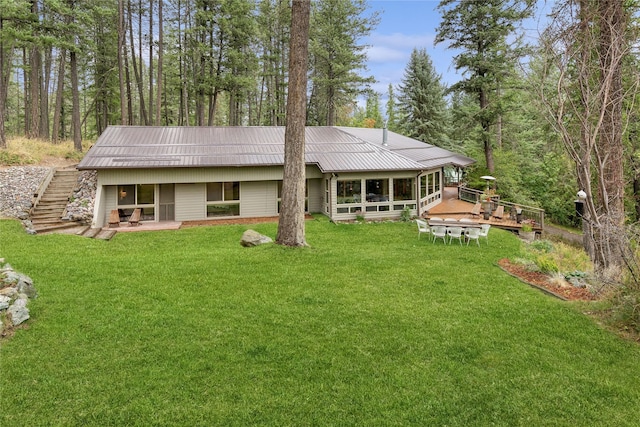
<point>384,54</point>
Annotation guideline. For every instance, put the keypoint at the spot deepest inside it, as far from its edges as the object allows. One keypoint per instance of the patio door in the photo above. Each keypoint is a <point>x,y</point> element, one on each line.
<point>167,202</point>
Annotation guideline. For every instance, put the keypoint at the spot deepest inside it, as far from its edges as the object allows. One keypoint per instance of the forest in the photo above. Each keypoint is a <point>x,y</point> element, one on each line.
<point>546,117</point>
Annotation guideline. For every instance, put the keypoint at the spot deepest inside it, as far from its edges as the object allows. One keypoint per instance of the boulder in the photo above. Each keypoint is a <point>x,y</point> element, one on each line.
<point>253,238</point>
<point>18,312</point>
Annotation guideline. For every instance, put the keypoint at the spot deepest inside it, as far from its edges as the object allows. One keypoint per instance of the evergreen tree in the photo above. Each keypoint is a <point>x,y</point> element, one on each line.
<point>336,56</point>
<point>421,103</point>
<point>392,119</point>
<point>480,30</point>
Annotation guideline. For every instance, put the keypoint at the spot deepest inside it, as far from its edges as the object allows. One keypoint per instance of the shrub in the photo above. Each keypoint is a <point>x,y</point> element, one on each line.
<point>547,264</point>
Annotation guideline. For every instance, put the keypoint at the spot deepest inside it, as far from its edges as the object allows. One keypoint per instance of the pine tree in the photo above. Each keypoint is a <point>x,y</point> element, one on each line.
<point>422,108</point>
<point>337,26</point>
<point>480,30</point>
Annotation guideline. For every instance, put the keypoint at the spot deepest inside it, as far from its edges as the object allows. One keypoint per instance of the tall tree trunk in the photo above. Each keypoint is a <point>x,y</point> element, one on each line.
<point>75,95</point>
<point>151,76</point>
<point>5,72</point>
<point>610,149</point>
<point>121,37</point>
<point>44,95</point>
<point>138,74</point>
<point>55,138</point>
<point>291,230</point>
<point>160,48</point>
<point>35,78</point>
<point>486,129</point>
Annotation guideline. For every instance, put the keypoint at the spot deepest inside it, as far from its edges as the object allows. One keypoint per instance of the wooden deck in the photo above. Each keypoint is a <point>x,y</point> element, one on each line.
<point>452,207</point>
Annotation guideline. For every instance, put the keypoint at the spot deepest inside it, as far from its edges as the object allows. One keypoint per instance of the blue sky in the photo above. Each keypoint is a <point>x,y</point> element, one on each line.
<point>408,24</point>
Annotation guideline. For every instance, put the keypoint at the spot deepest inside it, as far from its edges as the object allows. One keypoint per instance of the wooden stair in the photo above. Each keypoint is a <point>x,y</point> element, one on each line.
<point>49,208</point>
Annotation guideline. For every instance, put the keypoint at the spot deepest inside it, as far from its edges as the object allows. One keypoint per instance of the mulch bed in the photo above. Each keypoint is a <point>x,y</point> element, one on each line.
<point>543,282</point>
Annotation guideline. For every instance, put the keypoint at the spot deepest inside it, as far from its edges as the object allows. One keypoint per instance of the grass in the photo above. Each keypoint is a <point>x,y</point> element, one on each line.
<point>368,326</point>
<point>24,151</point>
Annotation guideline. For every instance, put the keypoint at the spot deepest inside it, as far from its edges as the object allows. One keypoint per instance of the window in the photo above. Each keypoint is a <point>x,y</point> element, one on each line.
<point>223,199</point>
<point>134,196</point>
<point>348,191</point>
<point>423,186</point>
<point>377,190</point>
<point>403,189</point>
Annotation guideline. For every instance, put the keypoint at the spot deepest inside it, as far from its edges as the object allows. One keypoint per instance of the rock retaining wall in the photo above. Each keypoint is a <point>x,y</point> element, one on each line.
<point>16,289</point>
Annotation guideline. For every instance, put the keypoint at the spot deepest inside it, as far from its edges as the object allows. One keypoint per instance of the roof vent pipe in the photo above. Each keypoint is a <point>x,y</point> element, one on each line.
<point>384,135</point>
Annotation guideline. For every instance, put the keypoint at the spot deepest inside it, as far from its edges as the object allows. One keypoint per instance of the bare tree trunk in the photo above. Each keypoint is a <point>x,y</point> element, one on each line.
<point>291,230</point>
<point>44,95</point>
<point>144,118</point>
<point>160,48</point>
<point>121,53</point>
<point>35,77</point>
<point>57,112</point>
<point>5,72</point>
<point>586,107</point>
<point>151,61</point>
<point>75,95</point>
<point>486,128</point>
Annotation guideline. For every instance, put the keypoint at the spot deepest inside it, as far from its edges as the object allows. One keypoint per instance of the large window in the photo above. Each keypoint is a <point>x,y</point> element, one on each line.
<point>403,189</point>
<point>377,190</point>
<point>223,199</point>
<point>348,191</point>
<point>134,196</point>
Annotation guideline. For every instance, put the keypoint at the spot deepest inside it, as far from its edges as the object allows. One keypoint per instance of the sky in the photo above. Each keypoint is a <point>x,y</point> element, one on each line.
<point>408,24</point>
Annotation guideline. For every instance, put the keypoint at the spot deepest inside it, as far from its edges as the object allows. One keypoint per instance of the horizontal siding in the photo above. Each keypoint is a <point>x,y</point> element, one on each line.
<point>191,202</point>
<point>316,195</point>
<point>191,175</point>
<point>258,199</point>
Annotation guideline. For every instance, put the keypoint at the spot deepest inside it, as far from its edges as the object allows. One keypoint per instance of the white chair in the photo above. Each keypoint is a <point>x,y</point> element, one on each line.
<point>473,234</point>
<point>435,218</point>
<point>455,233</point>
<point>450,220</point>
<point>423,227</point>
<point>439,232</point>
<point>484,232</point>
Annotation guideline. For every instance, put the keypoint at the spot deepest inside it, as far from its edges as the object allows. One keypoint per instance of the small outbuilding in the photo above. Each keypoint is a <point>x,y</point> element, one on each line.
<point>207,173</point>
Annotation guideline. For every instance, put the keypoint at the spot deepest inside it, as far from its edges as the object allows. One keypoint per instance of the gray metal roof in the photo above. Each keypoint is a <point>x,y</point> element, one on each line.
<point>332,149</point>
<point>426,154</point>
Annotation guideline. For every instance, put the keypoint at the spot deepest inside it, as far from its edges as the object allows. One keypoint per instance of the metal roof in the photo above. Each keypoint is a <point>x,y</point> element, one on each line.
<point>332,149</point>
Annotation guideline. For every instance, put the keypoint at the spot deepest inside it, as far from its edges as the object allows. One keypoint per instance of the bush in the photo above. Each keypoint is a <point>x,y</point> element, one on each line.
<point>547,264</point>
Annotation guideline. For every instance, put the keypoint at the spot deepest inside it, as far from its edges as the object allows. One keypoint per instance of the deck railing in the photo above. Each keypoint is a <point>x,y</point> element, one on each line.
<point>527,212</point>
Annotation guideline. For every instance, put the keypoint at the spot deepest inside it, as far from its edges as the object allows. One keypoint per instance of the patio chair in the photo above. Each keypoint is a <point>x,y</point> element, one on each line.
<point>439,232</point>
<point>435,218</point>
<point>473,234</point>
<point>423,227</point>
<point>484,232</point>
<point>450,220</point>
<point>454,233</point>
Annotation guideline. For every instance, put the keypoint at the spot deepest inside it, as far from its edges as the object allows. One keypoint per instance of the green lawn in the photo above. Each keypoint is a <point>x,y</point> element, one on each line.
<point>369,326</point>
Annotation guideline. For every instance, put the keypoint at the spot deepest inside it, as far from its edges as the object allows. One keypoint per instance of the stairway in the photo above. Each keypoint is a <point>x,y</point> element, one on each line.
<point>47,214</point>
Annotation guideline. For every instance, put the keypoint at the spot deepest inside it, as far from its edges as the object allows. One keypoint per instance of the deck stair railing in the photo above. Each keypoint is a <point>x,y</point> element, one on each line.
<point>528,212</point>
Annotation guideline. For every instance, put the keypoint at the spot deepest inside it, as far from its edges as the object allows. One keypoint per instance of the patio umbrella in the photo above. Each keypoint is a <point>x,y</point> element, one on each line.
<point>487,178</point>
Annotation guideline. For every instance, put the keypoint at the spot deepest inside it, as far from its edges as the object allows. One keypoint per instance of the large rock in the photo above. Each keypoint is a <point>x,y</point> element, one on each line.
<point>18,311</point>
<point>253,238</point>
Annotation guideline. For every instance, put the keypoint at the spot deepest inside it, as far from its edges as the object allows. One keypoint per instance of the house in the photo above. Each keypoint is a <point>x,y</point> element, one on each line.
<point>201,173</point>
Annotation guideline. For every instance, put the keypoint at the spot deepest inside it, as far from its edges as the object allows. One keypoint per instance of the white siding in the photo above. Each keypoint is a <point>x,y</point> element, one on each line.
<point>316,195</point>
<point>258,198</point>
<point>191,202</point>
<point>190,175</point>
